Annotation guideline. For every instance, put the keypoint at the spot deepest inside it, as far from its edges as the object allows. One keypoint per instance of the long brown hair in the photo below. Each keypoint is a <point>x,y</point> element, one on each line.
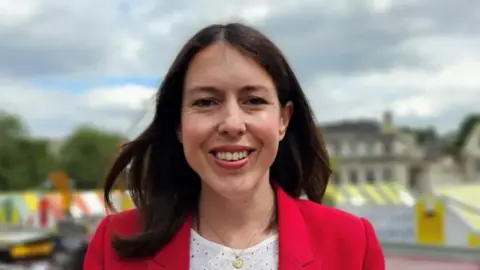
<point>164,188</point>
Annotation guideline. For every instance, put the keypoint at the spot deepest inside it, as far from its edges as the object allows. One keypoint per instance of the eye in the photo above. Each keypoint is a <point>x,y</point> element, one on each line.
<point>256,101</point>
<point>204,102</point>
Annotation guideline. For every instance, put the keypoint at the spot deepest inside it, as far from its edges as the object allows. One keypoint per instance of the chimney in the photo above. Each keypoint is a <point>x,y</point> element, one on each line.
<point>387,122</point>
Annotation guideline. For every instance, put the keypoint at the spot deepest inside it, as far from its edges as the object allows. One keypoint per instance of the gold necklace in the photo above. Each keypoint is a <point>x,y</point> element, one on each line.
<point>238,261</point>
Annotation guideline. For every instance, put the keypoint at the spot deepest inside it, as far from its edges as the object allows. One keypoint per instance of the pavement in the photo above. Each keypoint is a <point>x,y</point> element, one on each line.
<point>398,263</point>
<point>35,266</point>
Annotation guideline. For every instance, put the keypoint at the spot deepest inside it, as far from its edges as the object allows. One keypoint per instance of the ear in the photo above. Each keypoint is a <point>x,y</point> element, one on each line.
<point>285,116</point>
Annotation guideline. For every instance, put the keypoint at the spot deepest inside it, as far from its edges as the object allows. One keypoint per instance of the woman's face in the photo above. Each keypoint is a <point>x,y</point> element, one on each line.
<point>232,121</point>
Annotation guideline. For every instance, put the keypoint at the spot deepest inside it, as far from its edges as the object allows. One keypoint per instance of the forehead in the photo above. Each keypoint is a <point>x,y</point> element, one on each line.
<point>223,66</point>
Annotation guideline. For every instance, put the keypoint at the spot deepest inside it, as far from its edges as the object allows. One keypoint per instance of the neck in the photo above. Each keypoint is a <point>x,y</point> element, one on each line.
<point>237,215</point>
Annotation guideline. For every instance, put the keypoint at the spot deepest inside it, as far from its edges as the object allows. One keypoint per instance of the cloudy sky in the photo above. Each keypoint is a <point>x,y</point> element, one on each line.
<point>64,63</point>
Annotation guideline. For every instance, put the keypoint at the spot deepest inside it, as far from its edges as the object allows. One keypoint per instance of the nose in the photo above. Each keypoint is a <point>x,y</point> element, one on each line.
<point>232,120</point>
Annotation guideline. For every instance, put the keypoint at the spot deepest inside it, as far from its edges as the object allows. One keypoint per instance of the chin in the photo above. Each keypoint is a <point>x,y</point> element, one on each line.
<point>235,185</point>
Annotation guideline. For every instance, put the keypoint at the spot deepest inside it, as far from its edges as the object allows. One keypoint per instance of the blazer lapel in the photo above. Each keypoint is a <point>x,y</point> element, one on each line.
<point>295,251</point>
<point>175,255</point>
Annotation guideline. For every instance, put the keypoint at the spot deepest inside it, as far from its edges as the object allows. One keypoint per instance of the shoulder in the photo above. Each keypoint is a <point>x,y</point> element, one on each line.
<point>345,232</point>
<point>100,249</point>
<point>334,221</point>
<point>123,223</point>
<point>316,214</point>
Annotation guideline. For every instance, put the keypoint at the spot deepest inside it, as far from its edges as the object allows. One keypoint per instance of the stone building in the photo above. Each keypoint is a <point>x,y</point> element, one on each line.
<point>369,151</point>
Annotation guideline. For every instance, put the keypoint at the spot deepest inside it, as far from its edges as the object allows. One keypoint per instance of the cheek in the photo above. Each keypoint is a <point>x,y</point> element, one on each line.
<point>191,142</point>
<point>194,131</point>
<point>266,129</point>
<point>268,122</point>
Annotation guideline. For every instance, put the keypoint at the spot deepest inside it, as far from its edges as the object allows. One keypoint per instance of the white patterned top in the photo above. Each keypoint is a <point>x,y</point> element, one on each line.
<point>207,255</point>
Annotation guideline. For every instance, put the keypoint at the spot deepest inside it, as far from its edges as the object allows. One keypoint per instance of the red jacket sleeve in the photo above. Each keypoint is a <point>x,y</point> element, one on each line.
<point>374,258</point>
<point>94,259</point>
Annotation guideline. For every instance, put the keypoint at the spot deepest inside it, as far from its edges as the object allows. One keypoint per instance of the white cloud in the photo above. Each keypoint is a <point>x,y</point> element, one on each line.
<point>54,113</point>
<point>451,84</point>
<point>129,96</point>
<point>15,12</point>
<point>355,57</point>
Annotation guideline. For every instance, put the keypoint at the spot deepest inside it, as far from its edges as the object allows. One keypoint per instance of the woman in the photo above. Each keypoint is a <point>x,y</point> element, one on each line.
<point>216,177</point>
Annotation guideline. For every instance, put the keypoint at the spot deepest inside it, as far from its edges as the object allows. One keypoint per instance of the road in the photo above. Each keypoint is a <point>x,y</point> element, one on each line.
<point>419,264</point>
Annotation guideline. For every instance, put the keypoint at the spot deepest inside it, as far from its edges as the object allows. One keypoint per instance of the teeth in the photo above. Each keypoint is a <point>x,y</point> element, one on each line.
<point>232,155</point>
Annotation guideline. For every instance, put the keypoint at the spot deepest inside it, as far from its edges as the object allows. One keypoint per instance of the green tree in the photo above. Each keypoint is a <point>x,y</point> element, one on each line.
<point>422,135</point>
<point>87,154</point>
<point>466,127</point>
<point>24,162</point>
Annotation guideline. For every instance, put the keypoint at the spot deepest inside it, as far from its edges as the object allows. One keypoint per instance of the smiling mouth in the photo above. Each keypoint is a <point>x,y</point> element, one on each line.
<point>232,156</point>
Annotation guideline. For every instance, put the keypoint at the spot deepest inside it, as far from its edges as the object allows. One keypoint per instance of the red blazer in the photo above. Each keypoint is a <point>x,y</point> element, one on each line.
<point>311,237</point>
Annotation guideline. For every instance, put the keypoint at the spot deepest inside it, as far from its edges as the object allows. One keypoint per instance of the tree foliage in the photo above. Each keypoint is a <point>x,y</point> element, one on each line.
<point>24,162</point>
<point>87,154</point>
<point>422,135</point>
<point>466,127</point>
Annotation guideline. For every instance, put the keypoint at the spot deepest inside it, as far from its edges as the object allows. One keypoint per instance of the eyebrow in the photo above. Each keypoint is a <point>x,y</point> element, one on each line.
<point>203,89</point>
<point>216,91</point>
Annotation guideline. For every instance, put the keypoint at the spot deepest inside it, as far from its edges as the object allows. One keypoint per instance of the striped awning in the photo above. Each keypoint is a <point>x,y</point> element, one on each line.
<point>377,194</point>
<point>24,205</point>
<point>92,203</point>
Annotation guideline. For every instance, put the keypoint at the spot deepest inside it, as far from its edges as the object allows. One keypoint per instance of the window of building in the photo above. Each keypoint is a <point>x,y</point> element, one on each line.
<point>345,149</point>
<point>378,148</point>
<point>369,148</point>
<point>352,148</point>
<point>370,176</point>
<point>335,178</point>
<point>387,148</point>
<point>361,148</point>
<point>353,177</point>
<point>387,174</point>
<point>398,148</point>
<point>334,148</point>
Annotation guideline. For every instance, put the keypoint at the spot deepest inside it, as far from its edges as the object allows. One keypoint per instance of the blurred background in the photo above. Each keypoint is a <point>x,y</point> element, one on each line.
<point>394,86</point>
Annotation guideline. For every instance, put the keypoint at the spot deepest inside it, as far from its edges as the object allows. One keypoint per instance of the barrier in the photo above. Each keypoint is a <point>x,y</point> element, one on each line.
<point>392,223</point>
<point>474,239</point>
<point>432,252</point>
<point>397,217</point>
<point>464,202</point>
<point>127,202</point>
<point>430,220</point>
<point>433,220</point>
<point>9,214</point>
<point>24,208</point>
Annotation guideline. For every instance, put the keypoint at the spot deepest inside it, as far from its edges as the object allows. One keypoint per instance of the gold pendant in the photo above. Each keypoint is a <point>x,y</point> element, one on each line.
<point>237,263</point>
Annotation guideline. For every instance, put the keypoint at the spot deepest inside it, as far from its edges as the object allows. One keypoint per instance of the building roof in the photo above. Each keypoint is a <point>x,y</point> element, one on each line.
<point>364,130</point>
<point>361,126</point>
